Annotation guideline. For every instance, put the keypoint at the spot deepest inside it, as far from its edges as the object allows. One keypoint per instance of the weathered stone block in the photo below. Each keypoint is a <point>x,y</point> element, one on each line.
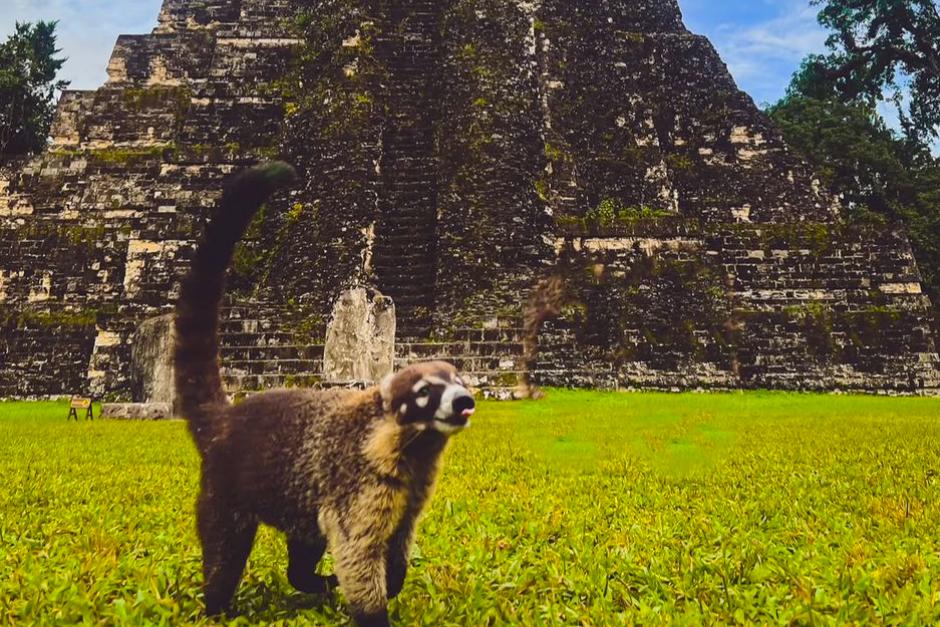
<point>137,411</point>
<point>360,339</point>
<point>152,370</point>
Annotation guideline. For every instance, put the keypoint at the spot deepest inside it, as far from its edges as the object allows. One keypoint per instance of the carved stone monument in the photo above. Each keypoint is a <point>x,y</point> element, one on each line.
<point>152,371</point>
<point>360,339</point>
<point>152,374</point>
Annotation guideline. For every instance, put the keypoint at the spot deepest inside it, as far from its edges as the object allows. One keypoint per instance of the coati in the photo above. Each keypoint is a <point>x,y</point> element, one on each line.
<point>338,469</point>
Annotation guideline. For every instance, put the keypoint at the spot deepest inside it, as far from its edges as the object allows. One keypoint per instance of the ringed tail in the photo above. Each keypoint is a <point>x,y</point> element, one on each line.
<point>196,357</point>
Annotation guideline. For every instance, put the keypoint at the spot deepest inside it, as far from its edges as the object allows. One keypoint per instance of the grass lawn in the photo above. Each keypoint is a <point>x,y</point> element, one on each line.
<point>586,508</point>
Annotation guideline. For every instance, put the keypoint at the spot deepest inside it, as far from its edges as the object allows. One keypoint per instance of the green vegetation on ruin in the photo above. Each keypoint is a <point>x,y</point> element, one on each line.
<point>79,236</point>
<point>120,155</point>
<point>138,99</point>
<point>79,318</point>
<point>587,508</point>
<point>611,214</point>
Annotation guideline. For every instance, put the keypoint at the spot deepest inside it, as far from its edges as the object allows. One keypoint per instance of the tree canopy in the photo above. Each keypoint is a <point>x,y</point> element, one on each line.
<point>880,49</point>
<point>28,68</point>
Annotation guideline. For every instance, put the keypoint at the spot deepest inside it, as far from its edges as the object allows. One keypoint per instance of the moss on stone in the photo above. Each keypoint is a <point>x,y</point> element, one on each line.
<point>176,98</point>
<point>555,153</point>
<point>679,162</point>
<point>79,318</point>
<point>611,214</point>
<point>129,156</point>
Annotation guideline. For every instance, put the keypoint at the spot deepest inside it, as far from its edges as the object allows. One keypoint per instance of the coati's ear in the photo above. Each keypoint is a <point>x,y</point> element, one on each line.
<point>385,388</point>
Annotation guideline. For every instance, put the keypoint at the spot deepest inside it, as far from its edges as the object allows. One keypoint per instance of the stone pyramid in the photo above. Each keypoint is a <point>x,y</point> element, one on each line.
<point>455,153</point>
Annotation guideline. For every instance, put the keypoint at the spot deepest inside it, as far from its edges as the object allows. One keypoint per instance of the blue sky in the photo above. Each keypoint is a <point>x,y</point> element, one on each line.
<point>762,41</point>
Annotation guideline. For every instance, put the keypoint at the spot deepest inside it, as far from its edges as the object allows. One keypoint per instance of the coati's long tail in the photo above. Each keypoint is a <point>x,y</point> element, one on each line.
<point>198,380</point>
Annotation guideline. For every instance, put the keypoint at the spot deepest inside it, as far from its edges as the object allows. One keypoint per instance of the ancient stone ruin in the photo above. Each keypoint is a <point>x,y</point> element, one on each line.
<point>454,154</point>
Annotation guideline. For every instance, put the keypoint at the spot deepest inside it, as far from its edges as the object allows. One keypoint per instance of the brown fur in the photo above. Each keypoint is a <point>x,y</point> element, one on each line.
<point>347,470</point>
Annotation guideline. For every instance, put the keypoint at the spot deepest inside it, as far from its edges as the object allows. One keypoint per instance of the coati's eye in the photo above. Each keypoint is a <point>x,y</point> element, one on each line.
<point>424,392</point>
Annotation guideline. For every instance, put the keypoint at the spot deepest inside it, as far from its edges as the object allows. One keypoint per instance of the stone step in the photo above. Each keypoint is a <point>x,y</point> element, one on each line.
<point>407,249</point>
<point>403,199</point>
<point>247,325</point>
<point>407,273</point>
<point>273,366</point>
<point>272,338</point>
<point>470,364</point>
<point>416,327</point>
<point>409,296</point>
<point>305,352</point>
<point>396,237</point>
<point>418,189</point>
<point>466,348</point>
<point>255,382</point>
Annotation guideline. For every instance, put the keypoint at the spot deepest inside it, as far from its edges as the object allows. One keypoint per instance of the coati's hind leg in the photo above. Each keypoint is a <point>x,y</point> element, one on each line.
<point>227,536</point>
<point>303,557</point>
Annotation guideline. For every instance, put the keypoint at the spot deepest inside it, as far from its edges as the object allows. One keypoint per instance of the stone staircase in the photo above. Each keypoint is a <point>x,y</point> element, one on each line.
<point>259,354</point>
<point>405,254</point>
<point>489,359</point>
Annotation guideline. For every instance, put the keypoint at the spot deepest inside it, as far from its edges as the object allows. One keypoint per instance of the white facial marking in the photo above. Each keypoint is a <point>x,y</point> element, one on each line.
<point>403,409</point>
<point>446,408</point>
<point>422,401</point>
<point>420,385</point>
<point>446,428</point>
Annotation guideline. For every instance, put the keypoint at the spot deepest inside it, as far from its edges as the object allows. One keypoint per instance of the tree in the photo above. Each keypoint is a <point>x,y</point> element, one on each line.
<point>28,87</point>
<point>880,49</point>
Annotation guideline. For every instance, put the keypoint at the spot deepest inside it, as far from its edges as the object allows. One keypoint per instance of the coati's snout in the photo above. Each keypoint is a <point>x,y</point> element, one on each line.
<point>429,396</point>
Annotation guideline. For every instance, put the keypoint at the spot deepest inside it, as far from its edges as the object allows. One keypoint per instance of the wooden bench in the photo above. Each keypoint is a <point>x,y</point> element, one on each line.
<point>77,403</point>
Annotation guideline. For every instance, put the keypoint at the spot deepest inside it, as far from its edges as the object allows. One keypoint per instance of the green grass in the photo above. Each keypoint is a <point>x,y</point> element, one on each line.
<point>586,508</point>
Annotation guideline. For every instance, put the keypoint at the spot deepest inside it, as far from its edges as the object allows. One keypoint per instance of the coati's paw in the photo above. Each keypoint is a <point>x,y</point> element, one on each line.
<point>395,580</point>
<point>219,609</point>
<point>312,583</point>
<point>379,619</point>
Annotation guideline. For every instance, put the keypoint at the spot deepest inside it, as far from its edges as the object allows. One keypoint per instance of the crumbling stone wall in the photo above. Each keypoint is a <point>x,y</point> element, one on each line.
<point>453,154</point>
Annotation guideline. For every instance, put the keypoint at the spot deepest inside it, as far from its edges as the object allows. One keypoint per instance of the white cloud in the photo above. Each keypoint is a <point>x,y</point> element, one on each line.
<point>763,56</point>
<point>87,30</point>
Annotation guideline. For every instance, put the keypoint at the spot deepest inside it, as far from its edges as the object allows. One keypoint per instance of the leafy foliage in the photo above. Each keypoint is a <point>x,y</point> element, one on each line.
<point>28,87</point>
<point>878,47</point>
<point>587,508</point>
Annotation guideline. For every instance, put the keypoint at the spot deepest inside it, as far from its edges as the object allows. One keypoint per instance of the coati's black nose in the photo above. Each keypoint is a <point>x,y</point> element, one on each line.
<point>464,406</point>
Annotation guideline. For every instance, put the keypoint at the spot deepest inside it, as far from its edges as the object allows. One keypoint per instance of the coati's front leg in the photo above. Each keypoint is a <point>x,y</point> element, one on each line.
<point>360,567</point>
<point>399,552</point>
<point>359,534</point>
<point>303,557</point>
<point>227,536</point>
